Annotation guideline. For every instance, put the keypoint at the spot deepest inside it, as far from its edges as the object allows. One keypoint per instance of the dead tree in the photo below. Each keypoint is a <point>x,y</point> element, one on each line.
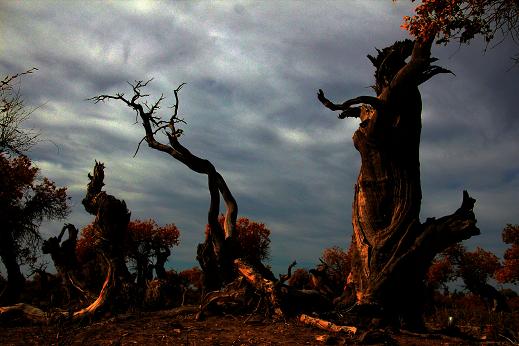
<point>111,221</point>
<point>112,218</point>
<point>63,255</point>
<point>392,249</point>
<point>217,253</point>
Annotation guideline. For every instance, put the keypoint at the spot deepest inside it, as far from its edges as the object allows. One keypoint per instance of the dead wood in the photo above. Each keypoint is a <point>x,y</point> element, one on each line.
<point>216,254</point>
<point>326,325</point>
<point>391,248</point>
<point>36,315</point>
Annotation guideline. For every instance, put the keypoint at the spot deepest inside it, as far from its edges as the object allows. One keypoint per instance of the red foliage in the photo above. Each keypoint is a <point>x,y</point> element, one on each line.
<point>478,266</point>
<point>463,19</point>
<point>253,239</point>
<point>300,279</point>
<point>337,266</point>
<point>25,201</point>
<point>474,267</point>
<point>145,237</point>
<point>193,276</point>
<point>440,273</point>
<point>87,243</point>
<point>509,272</point>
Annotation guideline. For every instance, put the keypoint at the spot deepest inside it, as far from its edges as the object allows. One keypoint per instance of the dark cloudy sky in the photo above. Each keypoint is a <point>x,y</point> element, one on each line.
<point>252,71</point>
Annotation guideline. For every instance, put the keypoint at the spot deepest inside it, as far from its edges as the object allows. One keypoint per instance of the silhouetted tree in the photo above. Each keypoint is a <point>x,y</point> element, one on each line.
<point>147,241</point>
<point>25,201</point>
<point>14,139</point>
<point>111,223</point>
<point>475,268</point>
<point>217,253</point>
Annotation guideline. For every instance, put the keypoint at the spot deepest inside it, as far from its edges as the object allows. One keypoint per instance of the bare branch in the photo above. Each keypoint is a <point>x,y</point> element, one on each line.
<point>7,79</point>
<point>153,124</point>
<point>346,107</point>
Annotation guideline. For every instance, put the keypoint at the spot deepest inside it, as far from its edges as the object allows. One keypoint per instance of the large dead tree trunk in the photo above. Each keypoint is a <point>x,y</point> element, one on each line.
<point>391,248</point>
<point>217,253</point>
<point>112,218</point>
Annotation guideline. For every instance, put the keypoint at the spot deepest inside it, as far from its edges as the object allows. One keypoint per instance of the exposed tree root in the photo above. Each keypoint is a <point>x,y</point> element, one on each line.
<point>37,315</point>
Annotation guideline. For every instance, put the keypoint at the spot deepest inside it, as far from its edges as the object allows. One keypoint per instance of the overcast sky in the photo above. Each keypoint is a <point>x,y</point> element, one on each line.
<point>252,71</point>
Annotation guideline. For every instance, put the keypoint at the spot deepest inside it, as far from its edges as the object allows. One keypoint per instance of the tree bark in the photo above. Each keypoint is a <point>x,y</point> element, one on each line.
<point>112,218</point>
<point>391,248</point>
<point>217,253</point>
<point>34,314</point>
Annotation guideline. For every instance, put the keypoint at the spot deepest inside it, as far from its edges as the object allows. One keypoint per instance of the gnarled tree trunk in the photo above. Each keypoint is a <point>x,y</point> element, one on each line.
<point>112,218</point>
<point>392,250</point>
<point>217,253</point>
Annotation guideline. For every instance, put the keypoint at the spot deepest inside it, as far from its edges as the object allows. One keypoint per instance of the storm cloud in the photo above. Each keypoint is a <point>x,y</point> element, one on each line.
<point>252,71</point>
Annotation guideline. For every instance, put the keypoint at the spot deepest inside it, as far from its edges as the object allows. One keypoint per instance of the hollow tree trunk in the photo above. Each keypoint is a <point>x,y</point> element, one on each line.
<point>392,250</point>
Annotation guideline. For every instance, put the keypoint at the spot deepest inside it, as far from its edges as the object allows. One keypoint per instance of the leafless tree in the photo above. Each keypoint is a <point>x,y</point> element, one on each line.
<point>14,139</point>
<point>217,253</point>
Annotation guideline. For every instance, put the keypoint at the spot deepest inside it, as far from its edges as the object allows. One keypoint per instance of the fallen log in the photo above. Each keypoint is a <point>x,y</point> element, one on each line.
<point>261,284</point>
<point>326,325</point>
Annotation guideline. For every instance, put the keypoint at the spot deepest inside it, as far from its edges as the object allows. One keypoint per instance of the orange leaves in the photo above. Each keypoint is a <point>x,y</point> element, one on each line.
<point>474,267</point>
<point>510,269</point>
<point>440,272</point>
<point>25,201</point>
<point>253,238</point>
<point>193,276</point>
<point>149,233</point>
<point>461,19</point>
<point>338,260</point>
<point>23,196</point>
<point>87,243</point>
<point>18,175</point>
<point>145,238</point>
<point>478,266</point>
<point>435,18</point>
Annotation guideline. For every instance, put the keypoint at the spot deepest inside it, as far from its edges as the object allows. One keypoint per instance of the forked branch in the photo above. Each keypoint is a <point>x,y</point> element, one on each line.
<point>154,124</point>
<point>346,107</point>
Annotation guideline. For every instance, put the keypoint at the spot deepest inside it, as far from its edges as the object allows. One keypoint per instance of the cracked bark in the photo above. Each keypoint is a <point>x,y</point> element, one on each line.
<point>111,219</point>
<point>392,249</point>
<point>217,253</point>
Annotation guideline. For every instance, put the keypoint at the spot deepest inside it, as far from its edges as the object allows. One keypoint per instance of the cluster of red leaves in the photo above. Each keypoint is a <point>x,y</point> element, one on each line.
<point>193,276</point>
<point>338,265</point>
<point>25,201</point>
<point>462,19</point>
<point>440,273</point>
<point>478,266</point>
<point>18,176</point>
<point>300,279</point>
<point>509,272</point>
<point>253,238</point>
<point>473,267</point>
<point>87,243</point>
<point>147,234</point>
<point>143,238</point>
<point>337,260</point>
